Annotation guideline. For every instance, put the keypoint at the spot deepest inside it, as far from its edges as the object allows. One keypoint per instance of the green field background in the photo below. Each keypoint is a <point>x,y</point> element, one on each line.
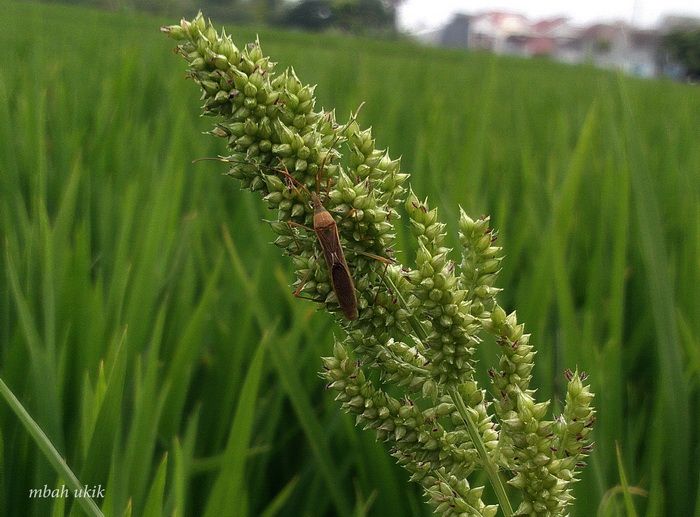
<point>147,325</point>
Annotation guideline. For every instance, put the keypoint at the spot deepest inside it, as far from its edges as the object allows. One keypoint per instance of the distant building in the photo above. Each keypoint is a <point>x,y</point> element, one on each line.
<point>544,38</point>
<point>456,33</point>
<point>609,45</point>
<point>492,30</point>
<point>622,47</point>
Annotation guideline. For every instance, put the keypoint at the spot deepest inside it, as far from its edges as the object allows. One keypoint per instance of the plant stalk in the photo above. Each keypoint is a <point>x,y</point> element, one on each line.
<point>490,468</point>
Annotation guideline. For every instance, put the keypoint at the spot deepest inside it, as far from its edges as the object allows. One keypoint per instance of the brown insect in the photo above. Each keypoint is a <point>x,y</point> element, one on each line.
<point>326,231</point>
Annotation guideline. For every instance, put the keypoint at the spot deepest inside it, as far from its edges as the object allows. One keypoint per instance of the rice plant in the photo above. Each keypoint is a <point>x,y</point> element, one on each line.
<point>139,321</point>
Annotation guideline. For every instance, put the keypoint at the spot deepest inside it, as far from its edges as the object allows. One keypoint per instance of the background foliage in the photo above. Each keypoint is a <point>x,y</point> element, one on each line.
<point>147,324</point>
<point>359,16</point>
<point>683,45</point>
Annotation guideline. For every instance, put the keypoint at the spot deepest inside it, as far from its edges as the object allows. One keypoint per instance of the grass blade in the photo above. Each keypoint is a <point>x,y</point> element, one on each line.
<point>228,494</point>
<point>52,455</point>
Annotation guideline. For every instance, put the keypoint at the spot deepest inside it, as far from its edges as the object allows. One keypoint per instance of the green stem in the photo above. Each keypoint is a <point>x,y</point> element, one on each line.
<point>490,468</point>
<point>44,443</point>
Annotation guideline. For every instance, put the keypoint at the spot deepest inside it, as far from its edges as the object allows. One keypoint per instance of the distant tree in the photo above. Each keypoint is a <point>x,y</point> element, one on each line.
<point>265,11</point>
<point>310,15</point>
<point>683,46</point>
<point>361,15</point>
<point>349,15</point>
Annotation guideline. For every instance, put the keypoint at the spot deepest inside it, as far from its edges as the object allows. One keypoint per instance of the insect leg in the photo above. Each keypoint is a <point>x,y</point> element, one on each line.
<point>297,291</point>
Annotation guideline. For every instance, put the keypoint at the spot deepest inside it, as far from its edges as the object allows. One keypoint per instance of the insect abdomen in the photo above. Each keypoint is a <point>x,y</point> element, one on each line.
<point>344,290</point>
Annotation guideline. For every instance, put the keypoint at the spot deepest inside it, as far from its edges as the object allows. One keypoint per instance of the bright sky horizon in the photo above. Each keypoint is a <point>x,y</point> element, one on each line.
<point>422,15</point>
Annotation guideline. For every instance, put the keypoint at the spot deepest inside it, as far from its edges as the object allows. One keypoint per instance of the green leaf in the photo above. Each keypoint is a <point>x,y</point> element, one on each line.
<point>629,504</point>
<point>228,496</point>
<point>48,449</point>
<point>154,501</point>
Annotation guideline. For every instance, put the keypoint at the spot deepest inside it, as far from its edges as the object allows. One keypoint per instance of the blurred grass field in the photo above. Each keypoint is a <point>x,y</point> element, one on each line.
<point>147,324</point>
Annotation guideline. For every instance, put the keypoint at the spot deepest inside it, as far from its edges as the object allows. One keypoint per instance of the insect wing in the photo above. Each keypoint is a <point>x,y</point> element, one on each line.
<point>330,244</point>
<point>341,278</point>
<point>344,289</point>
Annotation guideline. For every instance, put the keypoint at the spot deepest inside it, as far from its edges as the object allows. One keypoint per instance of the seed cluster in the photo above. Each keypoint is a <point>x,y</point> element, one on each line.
<point>405,367</point>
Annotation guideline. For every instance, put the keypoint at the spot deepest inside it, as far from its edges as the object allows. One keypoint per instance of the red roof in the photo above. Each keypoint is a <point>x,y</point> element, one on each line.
<point>540,46</point>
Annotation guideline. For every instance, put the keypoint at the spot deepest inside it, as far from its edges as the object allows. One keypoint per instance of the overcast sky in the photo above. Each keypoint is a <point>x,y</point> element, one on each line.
<point>417,15</point>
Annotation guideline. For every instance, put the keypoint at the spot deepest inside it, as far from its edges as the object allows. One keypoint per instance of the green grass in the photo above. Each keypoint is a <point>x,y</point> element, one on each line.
<point>147,326</point>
